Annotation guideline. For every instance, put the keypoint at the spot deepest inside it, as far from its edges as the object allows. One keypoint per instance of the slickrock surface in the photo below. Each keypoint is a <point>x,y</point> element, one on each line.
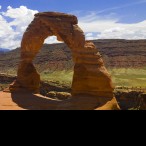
<point>6,102</point>
<point>25,100</point>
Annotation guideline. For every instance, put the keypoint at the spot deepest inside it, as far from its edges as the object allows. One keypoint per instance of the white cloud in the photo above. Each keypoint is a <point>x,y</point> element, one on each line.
<point>11,31</point>
<point>0,7</point>
<point>125,31</point>
<point>110,28</point>
<point>138,2</point>
<point>51,40</point>
<point>89,34</point>
<point>14,21</point>
<point>7,34</point>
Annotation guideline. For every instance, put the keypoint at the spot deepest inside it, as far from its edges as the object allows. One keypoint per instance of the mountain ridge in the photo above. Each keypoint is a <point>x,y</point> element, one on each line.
<point>2,50</point>
<point>117,53</point>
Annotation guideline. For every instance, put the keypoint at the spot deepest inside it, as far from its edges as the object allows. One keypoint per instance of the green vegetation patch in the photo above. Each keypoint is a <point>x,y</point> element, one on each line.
<point>121,77</point>
<point>60,77</point>
<point>129,77</point>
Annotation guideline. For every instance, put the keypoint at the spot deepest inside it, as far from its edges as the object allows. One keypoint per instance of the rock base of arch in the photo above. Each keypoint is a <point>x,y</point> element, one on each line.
<point>25,100</point>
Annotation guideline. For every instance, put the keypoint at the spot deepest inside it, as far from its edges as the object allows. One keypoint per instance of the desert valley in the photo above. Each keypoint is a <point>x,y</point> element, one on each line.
<point>124,59</point>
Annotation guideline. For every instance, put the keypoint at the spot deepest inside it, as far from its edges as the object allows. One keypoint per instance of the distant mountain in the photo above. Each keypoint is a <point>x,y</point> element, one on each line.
<point>4,50</point>
<point>116,54</point>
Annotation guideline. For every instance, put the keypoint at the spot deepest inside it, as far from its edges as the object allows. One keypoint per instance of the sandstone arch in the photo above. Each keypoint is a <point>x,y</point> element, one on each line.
<point>90,75</point>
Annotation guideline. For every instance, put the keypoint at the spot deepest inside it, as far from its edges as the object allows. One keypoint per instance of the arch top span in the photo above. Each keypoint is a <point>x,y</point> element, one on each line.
<point>63,26</point>
<point>90,75</point>
<point>60,16</point>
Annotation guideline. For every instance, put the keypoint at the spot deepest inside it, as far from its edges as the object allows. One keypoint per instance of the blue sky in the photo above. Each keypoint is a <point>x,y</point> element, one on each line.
<point>100,19</point>
<point>129,10</point>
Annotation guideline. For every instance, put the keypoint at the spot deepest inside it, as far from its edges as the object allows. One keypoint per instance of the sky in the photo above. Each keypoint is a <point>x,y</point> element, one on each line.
<point>99,19</point>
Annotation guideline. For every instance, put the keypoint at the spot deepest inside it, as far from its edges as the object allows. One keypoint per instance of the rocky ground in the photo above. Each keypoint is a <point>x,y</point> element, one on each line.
<point>128,99</point>
<point>133,100</point>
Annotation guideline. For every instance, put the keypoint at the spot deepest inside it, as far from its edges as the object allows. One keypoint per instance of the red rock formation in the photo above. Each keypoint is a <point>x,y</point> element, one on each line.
<point>90,78</point>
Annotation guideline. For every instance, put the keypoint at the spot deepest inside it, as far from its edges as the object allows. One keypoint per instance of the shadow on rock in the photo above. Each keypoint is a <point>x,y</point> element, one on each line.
<point>31,101</point>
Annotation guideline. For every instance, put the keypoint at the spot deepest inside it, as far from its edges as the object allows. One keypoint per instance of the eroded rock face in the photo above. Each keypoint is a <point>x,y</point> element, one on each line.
<point>90,76</point>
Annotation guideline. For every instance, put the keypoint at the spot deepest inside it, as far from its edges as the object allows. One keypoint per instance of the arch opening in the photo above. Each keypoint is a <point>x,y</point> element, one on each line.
<point>52,40</point>
<point>55,65</point>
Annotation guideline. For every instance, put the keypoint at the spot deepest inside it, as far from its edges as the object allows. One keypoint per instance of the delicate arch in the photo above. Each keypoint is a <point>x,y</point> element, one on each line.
<point>90,75</point>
